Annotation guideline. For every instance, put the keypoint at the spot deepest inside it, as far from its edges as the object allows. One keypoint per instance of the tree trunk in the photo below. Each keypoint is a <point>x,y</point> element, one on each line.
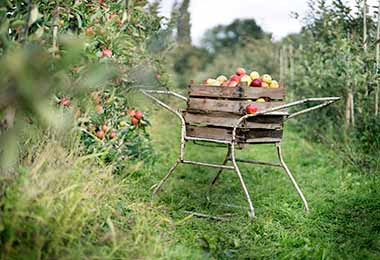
<point>377,61</point>
<point>365,36</point>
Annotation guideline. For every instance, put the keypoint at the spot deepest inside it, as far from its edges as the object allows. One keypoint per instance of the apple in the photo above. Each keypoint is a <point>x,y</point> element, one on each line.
<point>122,123</point>
<point>65,102</point>
<point>99,108</point>
<point>246,79</point>
<point>267,78</point>
<point>131,112</point>
<point>104,127</point>
<point>100,134</point>
<point>106,53</point>
<point>139,115</point>
<point>113,134</point>
<point>89,31</point>
<point>226,83</point>
<point>256,83</point>
<point>251,109</point>
<point>265,84</point>
<point>260,100</point>
<point>233,83</point>
<point>254,75</point>
<point>213,82</point>
<point>235,78</point>
<point>274,84</point>
<point>134,121</point>
<point>158,76</point>
<point>240,72</point>
<point>221,79</point>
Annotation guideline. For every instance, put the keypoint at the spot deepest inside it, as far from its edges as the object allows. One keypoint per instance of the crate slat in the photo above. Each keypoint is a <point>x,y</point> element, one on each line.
<point>229,106</point>
<point>225,134</point>
<point>236,92</point>
<point>230,120</point>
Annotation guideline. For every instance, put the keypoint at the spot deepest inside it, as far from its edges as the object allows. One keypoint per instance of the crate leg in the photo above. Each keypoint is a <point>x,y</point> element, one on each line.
<point>279,152</point>
<point>218,174</point>
<point>159,185</point>
<point>251,211</point>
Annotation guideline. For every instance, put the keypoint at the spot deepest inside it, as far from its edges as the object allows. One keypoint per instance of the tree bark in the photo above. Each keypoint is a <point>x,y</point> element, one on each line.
<point>377,61</point>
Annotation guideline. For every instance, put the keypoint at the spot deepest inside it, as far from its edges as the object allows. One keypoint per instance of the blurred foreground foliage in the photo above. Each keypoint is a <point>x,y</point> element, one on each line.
<point>53,54</point>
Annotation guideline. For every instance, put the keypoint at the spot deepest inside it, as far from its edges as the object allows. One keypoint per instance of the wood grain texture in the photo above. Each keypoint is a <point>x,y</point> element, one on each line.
<point>236,92</point>
<point>230,120</point>
<point>229,106</point>
<point>243,136</point>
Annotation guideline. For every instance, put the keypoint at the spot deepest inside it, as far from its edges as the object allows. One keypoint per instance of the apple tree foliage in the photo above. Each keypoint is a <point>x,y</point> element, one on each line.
<point>55,50</point>
<point>330,61</point>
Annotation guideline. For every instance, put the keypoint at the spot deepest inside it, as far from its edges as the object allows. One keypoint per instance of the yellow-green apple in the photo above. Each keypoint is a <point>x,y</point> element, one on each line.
<point>240,72</point>
<point>266,78</point>
<point>246,79</point>
<point>254,75</point>
<point>213,82</point>
<point>274,84</point>
<point>260,100</point>
<point>221,79</point>
<point>265,84</point>
<point>251,109</point>
<point>256,83</point>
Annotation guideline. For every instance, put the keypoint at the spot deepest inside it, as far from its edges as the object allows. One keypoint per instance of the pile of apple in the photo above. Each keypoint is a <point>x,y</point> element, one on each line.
<point>241,77</point>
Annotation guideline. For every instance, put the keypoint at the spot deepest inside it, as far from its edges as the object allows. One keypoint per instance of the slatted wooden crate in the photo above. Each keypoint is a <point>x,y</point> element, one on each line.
<point>212,112</point>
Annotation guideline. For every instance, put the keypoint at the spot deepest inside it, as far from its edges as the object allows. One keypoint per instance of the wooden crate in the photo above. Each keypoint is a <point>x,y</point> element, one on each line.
<point>212,112</point>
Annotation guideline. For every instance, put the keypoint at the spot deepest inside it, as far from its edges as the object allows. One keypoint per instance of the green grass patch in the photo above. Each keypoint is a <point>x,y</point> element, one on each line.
<point>61,205</point>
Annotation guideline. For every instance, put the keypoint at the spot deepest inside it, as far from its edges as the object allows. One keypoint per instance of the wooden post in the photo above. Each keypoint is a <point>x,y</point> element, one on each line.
<point>55,30</point>
<point>377,61</point>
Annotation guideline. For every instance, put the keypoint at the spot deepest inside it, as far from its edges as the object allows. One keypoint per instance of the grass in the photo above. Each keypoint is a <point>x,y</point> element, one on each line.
<point>60,205</point>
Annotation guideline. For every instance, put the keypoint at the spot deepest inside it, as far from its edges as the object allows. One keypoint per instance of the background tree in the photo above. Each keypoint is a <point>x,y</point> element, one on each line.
<point>184,25</point>
<point>234,34</point>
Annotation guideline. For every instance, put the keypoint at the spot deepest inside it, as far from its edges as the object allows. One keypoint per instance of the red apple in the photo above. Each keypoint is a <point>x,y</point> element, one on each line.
<point>131,112</point>
<point>240,72</point>
<point>113,134</point>
<point>134,121</point>
<point>233,83</point>
<point>251,109</point>
<point>89,31</point>
<point>100,134</point>
<point>65,102</point>
<point>235,78</point>
<point>139,115</point>
<point>256,83</point>
<point>226,83</point>
<point>99,108</point>
<point>106,53</point>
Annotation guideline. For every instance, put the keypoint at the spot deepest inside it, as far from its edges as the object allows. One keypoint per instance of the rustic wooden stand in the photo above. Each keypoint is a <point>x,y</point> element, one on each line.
<point>217,114</point>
